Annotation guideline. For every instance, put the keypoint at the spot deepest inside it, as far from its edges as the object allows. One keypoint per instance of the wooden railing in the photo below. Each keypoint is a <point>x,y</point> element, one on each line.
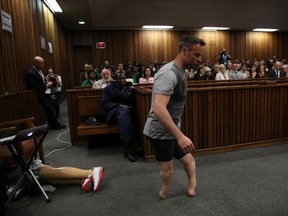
<point>21,104</point>
<point>220,116</point>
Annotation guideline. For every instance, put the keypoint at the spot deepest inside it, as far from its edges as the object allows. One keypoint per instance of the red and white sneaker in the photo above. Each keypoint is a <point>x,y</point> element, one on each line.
<point>87,184</point>
<point>97,175</point>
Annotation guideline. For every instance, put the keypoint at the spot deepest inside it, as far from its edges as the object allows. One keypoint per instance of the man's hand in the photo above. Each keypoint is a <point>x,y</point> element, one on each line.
<point>186,144</point>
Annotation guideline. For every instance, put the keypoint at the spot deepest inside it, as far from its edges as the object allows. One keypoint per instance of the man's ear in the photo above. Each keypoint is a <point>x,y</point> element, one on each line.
<point>185,50</point>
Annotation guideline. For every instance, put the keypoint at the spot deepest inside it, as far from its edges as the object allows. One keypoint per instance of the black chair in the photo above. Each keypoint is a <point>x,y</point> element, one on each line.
<point>11,142</point>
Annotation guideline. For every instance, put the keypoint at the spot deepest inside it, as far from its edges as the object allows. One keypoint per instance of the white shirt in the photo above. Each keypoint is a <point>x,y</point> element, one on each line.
<point>144,80</point>
<point>221,76</point>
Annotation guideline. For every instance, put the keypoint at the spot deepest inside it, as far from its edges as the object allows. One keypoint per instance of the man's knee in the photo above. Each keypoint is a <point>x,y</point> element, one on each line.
<point>124,110</point>
<point>188,161</point>
<point>124,115</point>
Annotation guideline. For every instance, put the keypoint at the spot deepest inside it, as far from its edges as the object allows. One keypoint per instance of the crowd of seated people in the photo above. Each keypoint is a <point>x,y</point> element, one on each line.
<point>100,77</point>
<point>230,69</point>
<point>110,79</point>
<point>239,69</point>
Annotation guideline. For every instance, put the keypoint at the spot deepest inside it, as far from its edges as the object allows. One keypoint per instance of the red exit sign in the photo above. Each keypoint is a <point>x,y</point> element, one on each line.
<point>100,45</point>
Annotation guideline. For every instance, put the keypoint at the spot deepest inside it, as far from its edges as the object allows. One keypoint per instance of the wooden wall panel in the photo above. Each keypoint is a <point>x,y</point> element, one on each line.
<point>147,46</point>
<point>30,19</point>
<point>7,44</point>
<point>211,44</point>
<point>22,108</point>
<point>82,55</point>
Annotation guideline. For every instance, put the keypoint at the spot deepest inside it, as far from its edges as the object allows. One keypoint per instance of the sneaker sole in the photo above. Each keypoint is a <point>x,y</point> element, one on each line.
<point>101,173</point>
<point>88,185</point>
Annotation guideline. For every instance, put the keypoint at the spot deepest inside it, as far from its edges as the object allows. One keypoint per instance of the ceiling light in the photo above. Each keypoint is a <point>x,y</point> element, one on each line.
<point>157,27</point>
<point>265,30</point>
<point>215,28</point>
<point>53,5</point>
<point>81,22</point>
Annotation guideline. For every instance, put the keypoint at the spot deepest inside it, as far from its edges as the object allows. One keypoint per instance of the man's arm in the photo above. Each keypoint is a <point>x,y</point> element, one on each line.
<point>107,102</point>
<point>160,110</point>
<point>33,83</point>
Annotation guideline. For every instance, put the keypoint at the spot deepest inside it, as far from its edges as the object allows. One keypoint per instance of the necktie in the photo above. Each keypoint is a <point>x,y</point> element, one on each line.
<point>42,75</point>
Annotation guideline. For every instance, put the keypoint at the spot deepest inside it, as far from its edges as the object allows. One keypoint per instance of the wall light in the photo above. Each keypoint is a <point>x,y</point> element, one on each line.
<point>265,30</point>
<point>157,27</point>
<point>81,22</point>
<point>53,5</point>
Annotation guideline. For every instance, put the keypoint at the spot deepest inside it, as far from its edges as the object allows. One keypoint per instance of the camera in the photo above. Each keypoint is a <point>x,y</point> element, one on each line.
<point>223,51</point>
<point>52,78</point>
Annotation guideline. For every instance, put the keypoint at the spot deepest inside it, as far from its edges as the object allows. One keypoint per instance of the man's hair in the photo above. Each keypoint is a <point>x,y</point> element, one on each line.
<point>190,40</point>
<point>119,74</point>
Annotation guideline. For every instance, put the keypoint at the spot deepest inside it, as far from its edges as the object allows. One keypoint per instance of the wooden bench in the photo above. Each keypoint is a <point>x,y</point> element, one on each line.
<point>90,105</point>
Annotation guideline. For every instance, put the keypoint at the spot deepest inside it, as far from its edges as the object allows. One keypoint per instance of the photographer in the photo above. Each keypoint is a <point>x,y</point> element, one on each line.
<point>224,57</point>
<point>55,90</point>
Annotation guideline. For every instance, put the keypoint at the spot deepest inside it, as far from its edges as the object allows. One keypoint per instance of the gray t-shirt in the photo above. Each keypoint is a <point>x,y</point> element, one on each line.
<point>170,80</point>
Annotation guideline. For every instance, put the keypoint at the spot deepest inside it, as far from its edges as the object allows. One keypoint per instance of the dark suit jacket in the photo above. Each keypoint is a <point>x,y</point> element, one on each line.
<point>35,81</point>
<point>272,73</point>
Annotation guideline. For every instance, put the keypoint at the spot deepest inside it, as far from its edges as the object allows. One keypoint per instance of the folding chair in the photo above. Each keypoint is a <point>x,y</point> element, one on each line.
<point>11,143</point>
<point>27,147</point>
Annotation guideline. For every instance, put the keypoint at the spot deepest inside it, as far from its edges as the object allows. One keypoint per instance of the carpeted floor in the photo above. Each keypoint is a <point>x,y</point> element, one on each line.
<point>249,182</point>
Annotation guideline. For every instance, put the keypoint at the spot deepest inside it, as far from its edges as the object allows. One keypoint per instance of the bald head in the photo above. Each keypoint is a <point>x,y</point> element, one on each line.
<point>38,62</point>
<point>277,65</point>
<point>38,59</point>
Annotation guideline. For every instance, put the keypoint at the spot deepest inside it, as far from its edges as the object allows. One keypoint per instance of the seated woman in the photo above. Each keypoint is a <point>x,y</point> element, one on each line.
<point>253,72</point>
<point>261,72</point>
<point>200,73</point>
<point>222,74</point>
<point>91,78</point>
<point>89,179</point>
<point>207,74</point>
<point>147,76</point>
<point>189,73</point>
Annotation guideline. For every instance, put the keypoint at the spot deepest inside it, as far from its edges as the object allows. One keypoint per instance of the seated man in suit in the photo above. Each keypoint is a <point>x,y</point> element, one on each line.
<point>35,80</point>
<point>118,102</point>
<point>276,71</point>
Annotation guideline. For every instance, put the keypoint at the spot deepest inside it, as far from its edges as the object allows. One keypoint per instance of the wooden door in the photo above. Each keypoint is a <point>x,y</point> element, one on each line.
<point>82,55</point>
